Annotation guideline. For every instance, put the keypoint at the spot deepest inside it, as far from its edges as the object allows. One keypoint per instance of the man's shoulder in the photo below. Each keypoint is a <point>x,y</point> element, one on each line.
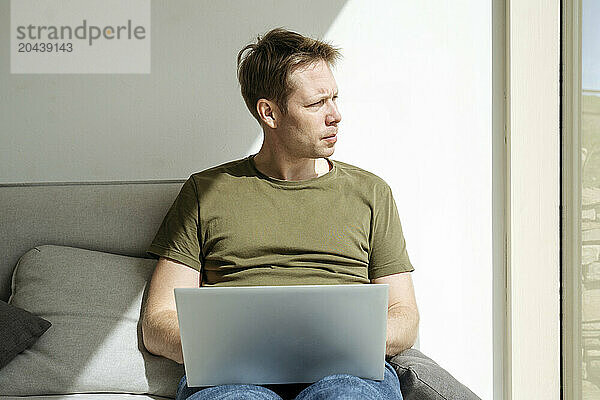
<point>229,167</point>
<point>361,175</point>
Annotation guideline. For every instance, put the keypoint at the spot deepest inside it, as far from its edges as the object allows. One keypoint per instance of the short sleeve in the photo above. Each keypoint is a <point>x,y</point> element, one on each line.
<point>388,253</point>
<point>177,236</point>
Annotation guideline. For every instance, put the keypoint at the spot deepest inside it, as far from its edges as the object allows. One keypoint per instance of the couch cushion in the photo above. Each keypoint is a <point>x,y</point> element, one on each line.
<point>93,301</point>
<point>19,329</point>
<point>421,378</point>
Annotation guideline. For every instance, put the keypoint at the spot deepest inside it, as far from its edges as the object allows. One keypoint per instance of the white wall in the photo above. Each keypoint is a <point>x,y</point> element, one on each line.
<point>416,99</point>
<point>415,92</point>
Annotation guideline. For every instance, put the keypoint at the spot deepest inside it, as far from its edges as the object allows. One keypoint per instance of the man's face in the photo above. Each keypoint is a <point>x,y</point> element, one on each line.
<point>312,113</point>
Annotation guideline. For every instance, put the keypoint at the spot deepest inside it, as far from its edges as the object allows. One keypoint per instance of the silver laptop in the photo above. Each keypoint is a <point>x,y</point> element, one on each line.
<point>282,334</point>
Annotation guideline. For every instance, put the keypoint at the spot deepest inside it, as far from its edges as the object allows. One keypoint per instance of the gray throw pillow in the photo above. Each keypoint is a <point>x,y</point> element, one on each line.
<point>93,300</point>
<point>19,329</point>
<point>421,378</point>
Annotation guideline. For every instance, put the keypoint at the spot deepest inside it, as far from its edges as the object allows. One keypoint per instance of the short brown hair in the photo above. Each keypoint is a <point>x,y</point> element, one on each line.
<point>265,70</point>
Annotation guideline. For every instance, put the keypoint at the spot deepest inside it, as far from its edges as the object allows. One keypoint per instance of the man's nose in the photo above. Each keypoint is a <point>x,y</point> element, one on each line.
<point>334,116</point>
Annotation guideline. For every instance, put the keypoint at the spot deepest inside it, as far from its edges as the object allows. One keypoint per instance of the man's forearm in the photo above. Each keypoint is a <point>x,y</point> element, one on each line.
<point>402,329</point>
<point>161,335</point>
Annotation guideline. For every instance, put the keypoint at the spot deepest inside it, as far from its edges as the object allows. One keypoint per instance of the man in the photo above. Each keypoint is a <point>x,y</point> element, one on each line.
<point>288,215</point>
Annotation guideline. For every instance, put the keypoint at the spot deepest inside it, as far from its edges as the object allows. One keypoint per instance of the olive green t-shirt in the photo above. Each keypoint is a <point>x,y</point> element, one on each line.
<point>240,227</point>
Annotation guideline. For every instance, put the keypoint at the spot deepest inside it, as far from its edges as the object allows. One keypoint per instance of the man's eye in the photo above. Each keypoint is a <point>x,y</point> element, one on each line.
<point>317,103</point>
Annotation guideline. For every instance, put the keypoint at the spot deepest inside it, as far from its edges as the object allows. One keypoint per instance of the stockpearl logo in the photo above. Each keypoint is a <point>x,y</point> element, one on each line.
<point>80,36</point>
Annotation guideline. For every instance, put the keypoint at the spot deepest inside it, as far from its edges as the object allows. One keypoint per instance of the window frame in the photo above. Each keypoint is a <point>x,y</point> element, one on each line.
<point>532,362</point>
<point>571,293</point>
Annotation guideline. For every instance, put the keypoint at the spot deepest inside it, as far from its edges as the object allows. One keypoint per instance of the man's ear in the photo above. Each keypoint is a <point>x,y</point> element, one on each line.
<point>268,112</point>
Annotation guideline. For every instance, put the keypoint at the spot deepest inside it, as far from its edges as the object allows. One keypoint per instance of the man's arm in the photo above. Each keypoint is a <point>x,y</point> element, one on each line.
<point>403,314</point>
<point>160,327</point>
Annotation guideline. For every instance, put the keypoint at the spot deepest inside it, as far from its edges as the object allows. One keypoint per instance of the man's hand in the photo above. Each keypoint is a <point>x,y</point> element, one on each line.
<point>403,314</point>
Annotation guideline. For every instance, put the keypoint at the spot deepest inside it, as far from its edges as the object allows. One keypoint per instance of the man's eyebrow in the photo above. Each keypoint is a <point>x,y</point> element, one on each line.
<point>322,95</point>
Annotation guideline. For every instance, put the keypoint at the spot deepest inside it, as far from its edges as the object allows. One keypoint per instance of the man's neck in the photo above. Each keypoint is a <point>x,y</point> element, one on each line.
<point>291,170</point>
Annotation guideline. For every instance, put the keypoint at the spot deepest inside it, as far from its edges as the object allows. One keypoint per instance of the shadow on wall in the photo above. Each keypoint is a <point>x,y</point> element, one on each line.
<point>192,92</point>
<point>189,105</point>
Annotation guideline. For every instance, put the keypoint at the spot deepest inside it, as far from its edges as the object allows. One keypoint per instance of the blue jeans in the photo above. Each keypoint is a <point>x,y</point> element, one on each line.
<point>339,386</point>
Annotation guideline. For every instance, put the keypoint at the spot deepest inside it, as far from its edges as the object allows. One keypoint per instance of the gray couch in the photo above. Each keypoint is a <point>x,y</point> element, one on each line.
<point>75,255</point>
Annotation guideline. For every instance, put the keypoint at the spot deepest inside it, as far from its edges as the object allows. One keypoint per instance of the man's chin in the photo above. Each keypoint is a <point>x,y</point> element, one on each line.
<point>327,153</point>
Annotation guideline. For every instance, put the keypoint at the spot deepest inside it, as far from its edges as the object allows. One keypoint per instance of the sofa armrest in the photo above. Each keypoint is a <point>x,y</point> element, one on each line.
<point>421,378</point>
